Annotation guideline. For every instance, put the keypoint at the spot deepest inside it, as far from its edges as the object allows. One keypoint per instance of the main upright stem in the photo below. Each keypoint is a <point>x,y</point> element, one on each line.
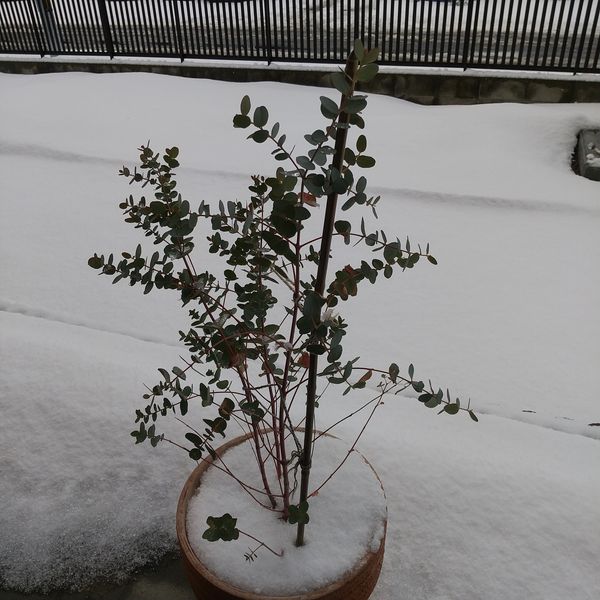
<point>311,389</point>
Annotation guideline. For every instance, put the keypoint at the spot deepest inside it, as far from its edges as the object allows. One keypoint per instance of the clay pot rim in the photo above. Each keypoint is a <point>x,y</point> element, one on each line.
<point>188,491</point>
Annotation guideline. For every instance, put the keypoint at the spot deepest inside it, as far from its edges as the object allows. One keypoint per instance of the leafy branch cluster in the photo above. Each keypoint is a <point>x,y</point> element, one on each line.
<point>250,353</point>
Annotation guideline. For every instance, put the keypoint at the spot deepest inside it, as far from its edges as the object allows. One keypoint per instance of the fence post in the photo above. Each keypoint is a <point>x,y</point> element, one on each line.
<point>356,23</point>
<point>106,28</point>
<point>266,13</point>
<point>178,30</point>
<point>468,34</point>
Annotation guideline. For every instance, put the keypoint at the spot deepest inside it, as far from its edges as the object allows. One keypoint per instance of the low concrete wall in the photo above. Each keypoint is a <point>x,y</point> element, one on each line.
<point>421,86</point>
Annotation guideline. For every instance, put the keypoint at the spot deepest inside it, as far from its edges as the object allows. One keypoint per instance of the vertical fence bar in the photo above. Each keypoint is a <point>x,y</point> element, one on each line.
<point>459,45</point>
<point>532,32</point>
<point>20,26</point>
<point>595,35</point>
<point>468,32</point>
<point>540,30</point>
<point>133,27</point>
<point>320,35</point>
<point>34,27</point>
<point>436,30</point>
<point>178,32</point>
<point>566,33</point>
<point>583,37</point>
<point>122,40</point>
<point>549,34</point>
<point>266,13</point>
<point>146,33</point>
<point>597,55</point>
<point>557,33</point>
<point>106,28</point>
<point>68,12</point>
<point>498,34</point>
<point>62,32</point>
<point>474,33</point>
<point>443,32</point>
<point>16,29</point>
<point>575,36</point>
<point>52,32</point>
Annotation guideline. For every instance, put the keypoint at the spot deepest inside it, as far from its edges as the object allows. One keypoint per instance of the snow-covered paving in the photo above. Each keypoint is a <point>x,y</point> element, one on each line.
<point>507,508</point>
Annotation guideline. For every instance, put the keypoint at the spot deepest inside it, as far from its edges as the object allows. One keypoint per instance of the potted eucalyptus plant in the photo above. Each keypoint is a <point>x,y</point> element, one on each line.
<point>266,331</point>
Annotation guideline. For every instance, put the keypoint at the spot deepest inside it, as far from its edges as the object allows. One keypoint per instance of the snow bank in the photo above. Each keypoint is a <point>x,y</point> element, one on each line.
<point>80,500</point>
<point>499,510</point>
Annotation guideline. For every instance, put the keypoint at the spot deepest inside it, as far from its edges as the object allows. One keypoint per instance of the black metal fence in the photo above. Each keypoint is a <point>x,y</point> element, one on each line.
<point>545,35</point>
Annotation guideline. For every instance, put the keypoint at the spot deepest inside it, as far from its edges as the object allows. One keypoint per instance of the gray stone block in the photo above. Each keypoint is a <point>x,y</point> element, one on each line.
<point>544,91</point>
<point>587,91</point>
<point>502,90</point>
<point>588,153</point>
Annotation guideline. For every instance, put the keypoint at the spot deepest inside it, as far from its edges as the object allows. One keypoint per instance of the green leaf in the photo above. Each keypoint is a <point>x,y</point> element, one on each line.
<point>340,82</point>
<point>433,402</point>
<point>195,454</point>
<point>355,105</point>
<point>194,439</point>
<point>390,253</point>
<point>361,144</point>
<point>411,370</point>
<point>260,136</point>
<point>367,72</point>
<point>329,108</point>
<point>95,262</point>
<point>299,514</point>
<point>179,372</point>
<point>432,260</point>
<point>365,162</point>
<point>312,306</point>
<point>241,121</point>
<point>451,409</point>
<point>305,163</point>
<point>183,407</point>
<point>226,408</point>
<point>473,416</point>
<point>335,354</point>
<point>245,105</point>
<point>359,50</point>
<point>342,227</point>
<point>221,528</point>
<point>261,116</point>
<point>370,56</point>
<point>219,425</point>
<point>418,386</point>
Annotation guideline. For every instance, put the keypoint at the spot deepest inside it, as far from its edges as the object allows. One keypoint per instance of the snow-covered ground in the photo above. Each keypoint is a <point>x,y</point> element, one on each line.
<point>504,509</point>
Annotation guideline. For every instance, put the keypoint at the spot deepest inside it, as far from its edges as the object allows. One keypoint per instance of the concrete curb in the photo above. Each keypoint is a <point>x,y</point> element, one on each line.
<point>437,87</point>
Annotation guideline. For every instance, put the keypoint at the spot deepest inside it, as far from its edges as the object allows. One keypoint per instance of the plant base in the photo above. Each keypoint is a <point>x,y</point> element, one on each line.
<point>357,584</point>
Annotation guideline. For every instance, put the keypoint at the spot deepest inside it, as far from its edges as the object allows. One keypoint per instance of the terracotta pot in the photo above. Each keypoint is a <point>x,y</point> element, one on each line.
<point>357,584</point>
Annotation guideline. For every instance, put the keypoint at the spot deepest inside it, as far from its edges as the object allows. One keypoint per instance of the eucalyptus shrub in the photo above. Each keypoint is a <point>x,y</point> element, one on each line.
<point>250,353</point>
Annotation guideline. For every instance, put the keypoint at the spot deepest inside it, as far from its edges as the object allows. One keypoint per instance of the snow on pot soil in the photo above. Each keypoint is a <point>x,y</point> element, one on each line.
<point>346,521</point>
<point>504,509</point>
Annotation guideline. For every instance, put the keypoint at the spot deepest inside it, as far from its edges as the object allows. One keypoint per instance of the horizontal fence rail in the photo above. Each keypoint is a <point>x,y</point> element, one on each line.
<point>543,35</point>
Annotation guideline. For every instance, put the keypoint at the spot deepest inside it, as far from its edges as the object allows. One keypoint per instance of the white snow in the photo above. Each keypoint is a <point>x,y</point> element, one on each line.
<point>504,509</point>
<point>346,521</point>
